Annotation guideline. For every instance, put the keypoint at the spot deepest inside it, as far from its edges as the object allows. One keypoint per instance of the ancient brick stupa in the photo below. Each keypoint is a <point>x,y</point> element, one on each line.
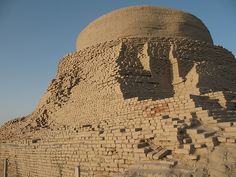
<point>147,93</point>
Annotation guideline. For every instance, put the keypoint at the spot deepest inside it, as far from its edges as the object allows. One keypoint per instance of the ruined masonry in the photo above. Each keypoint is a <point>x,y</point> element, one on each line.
<point>147,93</point>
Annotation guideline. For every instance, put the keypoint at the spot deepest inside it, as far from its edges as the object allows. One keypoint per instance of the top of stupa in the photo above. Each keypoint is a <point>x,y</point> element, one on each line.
<point>143,21</point>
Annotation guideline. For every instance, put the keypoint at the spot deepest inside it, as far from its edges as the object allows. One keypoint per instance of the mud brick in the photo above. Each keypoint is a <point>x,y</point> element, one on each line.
<point>160,154</point>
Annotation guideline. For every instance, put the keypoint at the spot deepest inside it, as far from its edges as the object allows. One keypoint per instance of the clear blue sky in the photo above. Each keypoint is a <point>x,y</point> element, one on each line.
<point>35,34</point>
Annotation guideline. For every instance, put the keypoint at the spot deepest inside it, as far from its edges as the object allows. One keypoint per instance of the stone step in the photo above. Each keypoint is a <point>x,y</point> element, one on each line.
<point>230,129</point>
<point>207,141</point>
<point>226,117</point>
<point>142,145</point>
<point>158,154</point>
<point>222,112</point>
<point>231,140</point>
<point>181,151</point>
<point>202,135</point>
<point>225,124</point>
<point>229,134</point>
<point>218,122</point>
<point>215,121</point>
<point>208,119</point>
<point>202,113</point>
<point>208,104</point>
<point>226,120</point>
<point>194,131</point>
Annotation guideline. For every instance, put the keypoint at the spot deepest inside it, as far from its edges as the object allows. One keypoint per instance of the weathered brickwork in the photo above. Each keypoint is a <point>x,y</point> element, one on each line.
<point>146,104</point>
<point>143,130</point>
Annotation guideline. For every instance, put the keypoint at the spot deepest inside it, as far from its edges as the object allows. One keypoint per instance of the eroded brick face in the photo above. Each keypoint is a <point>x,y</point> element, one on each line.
<point>124,105</point>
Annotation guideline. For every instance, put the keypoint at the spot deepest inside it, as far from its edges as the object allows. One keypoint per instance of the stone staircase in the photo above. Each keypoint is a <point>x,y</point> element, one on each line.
<point>179,128</point>
<point>219,113</point>
<point>213,113</point>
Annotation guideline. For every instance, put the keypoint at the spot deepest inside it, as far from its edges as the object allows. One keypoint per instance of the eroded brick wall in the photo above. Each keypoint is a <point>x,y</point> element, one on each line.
<point>105,109</point>
<point>102,148</point>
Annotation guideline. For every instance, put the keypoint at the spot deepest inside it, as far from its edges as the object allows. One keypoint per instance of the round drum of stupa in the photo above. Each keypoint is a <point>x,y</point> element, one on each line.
<point>143,21</point>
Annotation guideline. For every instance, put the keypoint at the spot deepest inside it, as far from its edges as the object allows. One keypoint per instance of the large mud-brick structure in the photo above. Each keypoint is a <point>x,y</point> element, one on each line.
<point>147,93</point>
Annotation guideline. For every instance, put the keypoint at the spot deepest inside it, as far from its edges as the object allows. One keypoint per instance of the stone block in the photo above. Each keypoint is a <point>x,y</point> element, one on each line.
<point>160,154</point>
<point>221,139</point>
<point>182,151</point>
